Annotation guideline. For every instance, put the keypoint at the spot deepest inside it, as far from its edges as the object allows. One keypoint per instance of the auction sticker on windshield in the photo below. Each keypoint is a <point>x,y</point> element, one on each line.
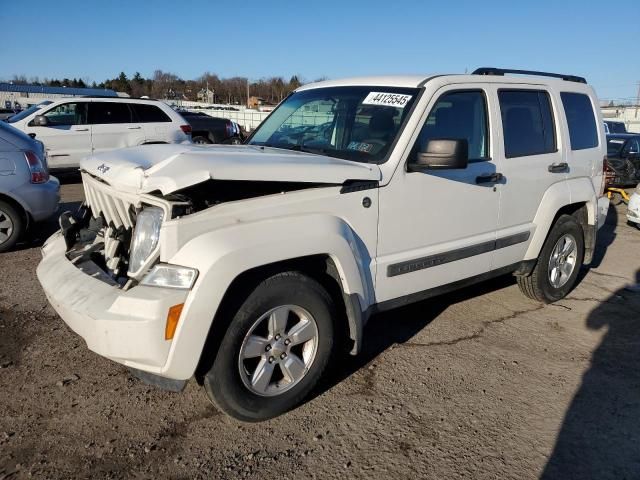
<point>387,99</point>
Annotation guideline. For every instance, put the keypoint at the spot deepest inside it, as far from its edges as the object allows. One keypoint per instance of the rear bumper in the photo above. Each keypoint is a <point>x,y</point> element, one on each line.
<point>633,209</point>
<point>603,209</point>
<point>40,200</point>
<point>125,326</point>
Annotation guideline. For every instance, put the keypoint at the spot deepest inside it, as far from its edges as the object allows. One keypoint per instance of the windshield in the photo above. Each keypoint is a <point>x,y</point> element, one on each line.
<point>25,113</point>
<point>352,123</point>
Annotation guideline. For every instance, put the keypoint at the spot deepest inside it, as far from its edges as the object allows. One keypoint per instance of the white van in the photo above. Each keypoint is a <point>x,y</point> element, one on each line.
<point>73,128</point>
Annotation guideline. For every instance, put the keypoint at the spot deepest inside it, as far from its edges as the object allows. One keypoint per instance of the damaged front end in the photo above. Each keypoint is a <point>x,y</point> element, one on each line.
<point>114,235</point>
<point>102,236</point>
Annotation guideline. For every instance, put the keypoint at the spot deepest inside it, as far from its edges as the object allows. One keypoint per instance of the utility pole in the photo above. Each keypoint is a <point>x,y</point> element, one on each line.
<point>248,106</point>
<point>637,100</point>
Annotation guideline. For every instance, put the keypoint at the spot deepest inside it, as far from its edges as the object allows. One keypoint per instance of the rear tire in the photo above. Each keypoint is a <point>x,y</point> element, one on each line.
<point>559,263</point>
<point>275,350</point>
<point>200,140</point>
<point>11,226</point>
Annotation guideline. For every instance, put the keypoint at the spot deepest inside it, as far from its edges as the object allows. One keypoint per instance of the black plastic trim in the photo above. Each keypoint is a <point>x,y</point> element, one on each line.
<point>158,381</point>
<point>454,255</point>
<point>502,71</point>
<point>442,289</point>
<point>358,185</point>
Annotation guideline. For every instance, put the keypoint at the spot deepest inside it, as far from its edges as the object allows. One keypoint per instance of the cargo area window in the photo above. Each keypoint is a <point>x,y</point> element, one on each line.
<point>148,113</point>
<point>527,122</point>
<point>581,120</point>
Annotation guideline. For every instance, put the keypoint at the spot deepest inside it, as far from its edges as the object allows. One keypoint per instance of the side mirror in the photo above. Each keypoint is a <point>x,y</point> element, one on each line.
<point>40,121</point>
<point>441,154</point>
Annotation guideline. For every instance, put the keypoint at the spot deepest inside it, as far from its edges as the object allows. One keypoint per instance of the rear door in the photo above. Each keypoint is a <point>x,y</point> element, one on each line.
<point>531,159</point>
<point>67,137</point>
<point>113,126</point>
<point>155,123</point>
<point>583,148</point>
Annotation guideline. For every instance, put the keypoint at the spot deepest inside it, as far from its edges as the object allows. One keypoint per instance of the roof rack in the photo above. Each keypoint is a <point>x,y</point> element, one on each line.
<point>502,71</point>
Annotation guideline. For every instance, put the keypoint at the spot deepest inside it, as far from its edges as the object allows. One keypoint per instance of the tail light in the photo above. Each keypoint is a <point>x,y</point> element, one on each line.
<point>186,129</point>
<point>229,129</point>
<point>37,169</point>
<point>608,175</point>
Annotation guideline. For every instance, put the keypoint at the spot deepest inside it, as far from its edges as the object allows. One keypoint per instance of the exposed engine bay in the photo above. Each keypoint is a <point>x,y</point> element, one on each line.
<point>101,231</point>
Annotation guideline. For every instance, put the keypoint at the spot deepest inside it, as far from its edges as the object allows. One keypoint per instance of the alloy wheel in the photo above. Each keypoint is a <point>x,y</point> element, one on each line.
<point>278,350</point>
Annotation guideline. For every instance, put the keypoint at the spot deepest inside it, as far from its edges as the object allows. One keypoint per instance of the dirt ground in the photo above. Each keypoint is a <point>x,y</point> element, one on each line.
<point>481,384</point>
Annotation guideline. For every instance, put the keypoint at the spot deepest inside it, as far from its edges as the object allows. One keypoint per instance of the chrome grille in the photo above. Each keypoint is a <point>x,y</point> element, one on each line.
<point>115,206</point>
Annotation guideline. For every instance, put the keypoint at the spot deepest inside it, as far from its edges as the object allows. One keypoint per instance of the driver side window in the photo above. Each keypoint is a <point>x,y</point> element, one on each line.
<point>458,115</point>
<point>68,114</point>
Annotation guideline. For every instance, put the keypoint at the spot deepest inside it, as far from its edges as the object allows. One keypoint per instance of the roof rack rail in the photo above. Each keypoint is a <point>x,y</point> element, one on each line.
<point>502,71</point>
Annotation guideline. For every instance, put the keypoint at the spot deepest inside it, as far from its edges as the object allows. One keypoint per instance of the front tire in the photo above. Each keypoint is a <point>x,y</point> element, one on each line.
<point>559,263</point>
<point>11,226</point>
<point>275,350</point>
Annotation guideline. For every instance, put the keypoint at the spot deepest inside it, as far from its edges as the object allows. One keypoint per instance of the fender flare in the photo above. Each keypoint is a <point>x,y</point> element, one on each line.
<point>557,197</point>
<point>220,256</point>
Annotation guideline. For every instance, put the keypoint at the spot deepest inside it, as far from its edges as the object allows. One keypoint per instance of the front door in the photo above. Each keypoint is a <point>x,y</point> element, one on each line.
<point>439,227</point>
<point>67,137</point>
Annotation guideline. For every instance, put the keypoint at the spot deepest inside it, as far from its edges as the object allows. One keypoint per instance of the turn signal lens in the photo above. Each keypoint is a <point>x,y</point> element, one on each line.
<point>172,321</point>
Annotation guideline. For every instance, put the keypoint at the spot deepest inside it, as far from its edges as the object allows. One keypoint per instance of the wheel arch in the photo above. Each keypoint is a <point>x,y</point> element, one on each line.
<point>320,267</point>
<point>237,258</point>
<point>19,206</point>
<point>576,198</point>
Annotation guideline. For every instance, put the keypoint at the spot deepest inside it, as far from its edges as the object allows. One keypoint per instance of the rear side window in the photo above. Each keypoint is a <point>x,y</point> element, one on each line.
<point>148,113</point>
<point>109,112</point>
<point>527,122</point>
<point>581,120</point>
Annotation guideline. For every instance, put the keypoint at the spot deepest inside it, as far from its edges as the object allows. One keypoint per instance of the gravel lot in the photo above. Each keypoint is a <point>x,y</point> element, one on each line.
<point>483,383</point>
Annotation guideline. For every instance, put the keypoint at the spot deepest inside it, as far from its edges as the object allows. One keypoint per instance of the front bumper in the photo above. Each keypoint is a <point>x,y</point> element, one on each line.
<point>633,209</point>
<point>125,326</point>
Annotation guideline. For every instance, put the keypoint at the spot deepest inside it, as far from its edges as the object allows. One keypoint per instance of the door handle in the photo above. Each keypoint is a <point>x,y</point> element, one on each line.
<point>80,129</point>
<point>134,128</point>
<point>489,178</point>
<point>558,167</point>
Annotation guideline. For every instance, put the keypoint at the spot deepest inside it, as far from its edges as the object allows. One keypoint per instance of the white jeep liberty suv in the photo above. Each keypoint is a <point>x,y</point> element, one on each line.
<point>248,266</point>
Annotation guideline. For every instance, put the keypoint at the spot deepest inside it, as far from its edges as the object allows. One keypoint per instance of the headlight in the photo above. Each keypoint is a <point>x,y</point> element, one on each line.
<point>170,276</point>
<point>145,237</point>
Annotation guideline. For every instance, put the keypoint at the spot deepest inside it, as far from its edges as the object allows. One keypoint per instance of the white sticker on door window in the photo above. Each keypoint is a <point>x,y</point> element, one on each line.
<point>387,99</point>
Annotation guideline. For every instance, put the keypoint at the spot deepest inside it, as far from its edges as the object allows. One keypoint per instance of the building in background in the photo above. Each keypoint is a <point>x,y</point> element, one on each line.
<point>628,114</point>
<point>24,96</point>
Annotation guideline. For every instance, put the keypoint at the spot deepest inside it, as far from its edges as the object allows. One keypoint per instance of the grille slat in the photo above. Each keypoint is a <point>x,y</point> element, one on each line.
<point>113,205</point>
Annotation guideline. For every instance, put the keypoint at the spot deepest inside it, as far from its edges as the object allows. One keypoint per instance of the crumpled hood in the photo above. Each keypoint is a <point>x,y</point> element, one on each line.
<point>169,168</point>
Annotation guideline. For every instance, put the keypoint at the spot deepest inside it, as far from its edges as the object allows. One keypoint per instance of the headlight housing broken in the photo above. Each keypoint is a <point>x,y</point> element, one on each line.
<point>146,234</point>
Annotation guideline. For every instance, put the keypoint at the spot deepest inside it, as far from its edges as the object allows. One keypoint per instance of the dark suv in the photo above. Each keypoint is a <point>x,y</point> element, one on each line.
<point>207,129</point>
<point>623,158</point>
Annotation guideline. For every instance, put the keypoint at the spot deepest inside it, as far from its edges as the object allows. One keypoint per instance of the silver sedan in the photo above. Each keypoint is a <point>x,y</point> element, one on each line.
<point>27,192</point>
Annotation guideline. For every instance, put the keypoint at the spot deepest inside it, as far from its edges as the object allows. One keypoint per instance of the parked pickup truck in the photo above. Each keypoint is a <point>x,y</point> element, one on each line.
<point>251,267</point>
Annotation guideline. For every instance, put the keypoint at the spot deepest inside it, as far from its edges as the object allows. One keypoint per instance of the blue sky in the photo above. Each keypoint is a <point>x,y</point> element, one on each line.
<point>98,39</point>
